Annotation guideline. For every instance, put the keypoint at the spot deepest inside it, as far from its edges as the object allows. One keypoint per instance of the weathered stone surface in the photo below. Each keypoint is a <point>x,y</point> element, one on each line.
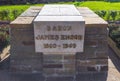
<point>23,57</point>
<point>28,65</point>
<point>112,74</point>
<point>96,31</point>
<point>59,65</point>
<point>52,58</point>
<point>64,27</point>
<point>93,59</point>
<point>22,21</point>
<point>52,65</point>
<point>64,78</point>
<point>92,20</point>
<point>31,12</point>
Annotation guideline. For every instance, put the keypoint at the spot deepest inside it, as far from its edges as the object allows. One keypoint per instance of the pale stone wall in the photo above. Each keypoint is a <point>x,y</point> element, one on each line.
<point>25,60</point>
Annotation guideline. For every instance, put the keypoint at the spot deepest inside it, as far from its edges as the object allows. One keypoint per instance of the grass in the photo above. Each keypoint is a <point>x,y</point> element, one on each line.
<point>12,7</point>
<point>94,5</point>
<point>101,5</point>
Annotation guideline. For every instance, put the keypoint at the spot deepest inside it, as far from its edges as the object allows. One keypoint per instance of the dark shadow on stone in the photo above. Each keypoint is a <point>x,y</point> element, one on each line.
<point>4,64</point>
<point>4,75</point>
<point>26,77</point>
<point>4,69</point>
<point>98,76</point>
<point>114,58</point>
<point>58,78</point>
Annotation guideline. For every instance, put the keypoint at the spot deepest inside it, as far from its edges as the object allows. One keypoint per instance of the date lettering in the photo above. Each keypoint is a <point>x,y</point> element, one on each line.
<point>50,46</point>
<point>71,45</point>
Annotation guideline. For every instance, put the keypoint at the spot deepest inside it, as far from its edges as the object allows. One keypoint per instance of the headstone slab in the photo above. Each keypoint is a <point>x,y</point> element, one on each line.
<point>59,29</point>
<point>59,10</point>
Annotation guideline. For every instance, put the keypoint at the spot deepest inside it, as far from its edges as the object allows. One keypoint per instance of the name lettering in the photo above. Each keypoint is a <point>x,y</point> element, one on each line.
<point>59,37</point>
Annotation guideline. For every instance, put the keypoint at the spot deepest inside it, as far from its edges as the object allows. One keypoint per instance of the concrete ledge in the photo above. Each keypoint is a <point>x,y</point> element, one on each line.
<point>92,19</point>
<point>31,12</point>
<point>112,44</point>
<point>23,20</point>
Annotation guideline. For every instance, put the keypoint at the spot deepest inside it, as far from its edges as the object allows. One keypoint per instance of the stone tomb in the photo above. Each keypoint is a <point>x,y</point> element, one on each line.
<point>40,44</point>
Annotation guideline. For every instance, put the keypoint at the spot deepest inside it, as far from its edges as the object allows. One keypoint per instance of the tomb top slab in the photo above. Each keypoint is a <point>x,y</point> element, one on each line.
<point>59,10</point>
<point>59,18</point>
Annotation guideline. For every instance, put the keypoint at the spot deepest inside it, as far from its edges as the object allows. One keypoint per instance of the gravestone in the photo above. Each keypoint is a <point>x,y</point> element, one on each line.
<point>59,34</point>
<point>59,29</point>
<point>59,40</point>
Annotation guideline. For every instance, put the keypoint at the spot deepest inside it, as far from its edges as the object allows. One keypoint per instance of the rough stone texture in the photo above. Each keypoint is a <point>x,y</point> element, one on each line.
<point>31,12</point>
<point>94,58</point>
<point>23,56</point>
<point>62,65</point>
<point>24,59</point>
<point>63,21</point>
<point>112,74</point>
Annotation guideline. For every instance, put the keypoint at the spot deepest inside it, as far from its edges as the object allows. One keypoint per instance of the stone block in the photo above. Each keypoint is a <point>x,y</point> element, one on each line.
<point>70,65</point>
<point>81,69</point>
<point>92,62</point>
<point>85,63</point>
<point>95,37</point>
<point>103,54</point>
<point>52,56</point>
<point>102,62</point>
<point>52,65</point>
<point>69,57</point>
<point>49,71</point>
<point>92,65</point>
<point>22,22</point>
<point>66,72</point>
<point>27,55</point>
<point>98,68</point>
<point>85,10</point>
<point>62,65</point>
<point>31,65</point>
<point>58,78</point>
<point>31,12</point>
<point>96,31</point>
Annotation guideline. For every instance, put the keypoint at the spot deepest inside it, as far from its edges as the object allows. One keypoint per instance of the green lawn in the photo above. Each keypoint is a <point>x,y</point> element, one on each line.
<point>94,5</point>
<point>13,7</point>
<point>101,5</point>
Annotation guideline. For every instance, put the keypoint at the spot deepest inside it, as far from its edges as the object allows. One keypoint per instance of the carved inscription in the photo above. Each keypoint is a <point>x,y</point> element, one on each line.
<point>59,37</point>
<point>59,28</point>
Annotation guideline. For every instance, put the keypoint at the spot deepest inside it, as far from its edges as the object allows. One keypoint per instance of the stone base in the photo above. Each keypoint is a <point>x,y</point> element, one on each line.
<point>59,65</point>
